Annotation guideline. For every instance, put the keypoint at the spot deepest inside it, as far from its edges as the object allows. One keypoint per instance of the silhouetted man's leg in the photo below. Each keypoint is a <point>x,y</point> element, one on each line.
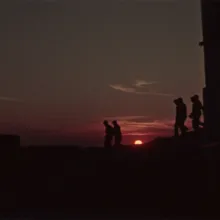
<point>110,142</point>
<point>186,128</point>
<point>201,123</point>
<point>182,129</point>
<point>115,143</point>
<point>195,124</point>
<point>176,130</point>
<point>107,142</point>
<point>117,140</point>
<point>120,140</point>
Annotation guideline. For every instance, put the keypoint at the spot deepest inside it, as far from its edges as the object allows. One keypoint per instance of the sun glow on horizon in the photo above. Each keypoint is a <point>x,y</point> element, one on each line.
<point>138,142</point>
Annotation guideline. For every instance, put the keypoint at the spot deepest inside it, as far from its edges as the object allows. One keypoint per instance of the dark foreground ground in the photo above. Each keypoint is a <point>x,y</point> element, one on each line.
<point>171,179</point>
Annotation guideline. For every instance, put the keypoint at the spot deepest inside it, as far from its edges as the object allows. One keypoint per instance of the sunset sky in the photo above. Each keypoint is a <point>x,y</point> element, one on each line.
<point>66,65</point>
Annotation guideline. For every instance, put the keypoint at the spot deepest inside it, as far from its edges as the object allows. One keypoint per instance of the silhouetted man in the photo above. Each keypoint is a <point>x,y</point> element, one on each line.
<point>108,134</point>
<point>117,133</point>
<point>197,109</point>
<point>181,115</point>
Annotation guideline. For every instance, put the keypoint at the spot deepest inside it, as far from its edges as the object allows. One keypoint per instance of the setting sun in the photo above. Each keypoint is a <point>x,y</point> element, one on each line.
<point>138,142</point>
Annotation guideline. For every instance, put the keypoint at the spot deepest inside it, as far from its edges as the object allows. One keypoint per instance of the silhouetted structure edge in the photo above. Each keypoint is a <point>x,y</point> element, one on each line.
<point>211,34</point>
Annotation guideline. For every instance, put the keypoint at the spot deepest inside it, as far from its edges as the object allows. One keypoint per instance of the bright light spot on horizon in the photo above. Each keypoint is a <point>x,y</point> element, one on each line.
<point>138,142</point>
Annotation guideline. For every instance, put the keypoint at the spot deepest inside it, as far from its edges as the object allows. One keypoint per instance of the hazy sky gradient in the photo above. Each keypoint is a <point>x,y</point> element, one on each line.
<point>66,65</point>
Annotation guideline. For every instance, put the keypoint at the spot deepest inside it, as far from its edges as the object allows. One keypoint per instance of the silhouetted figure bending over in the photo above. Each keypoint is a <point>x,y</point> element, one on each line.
<point>108,134</point>
<point>117,133</point>
<point>181,116</point>
<point>197,109</point>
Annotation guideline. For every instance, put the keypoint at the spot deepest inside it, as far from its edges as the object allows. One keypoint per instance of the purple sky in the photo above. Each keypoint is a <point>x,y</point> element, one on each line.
<point>67,65</point>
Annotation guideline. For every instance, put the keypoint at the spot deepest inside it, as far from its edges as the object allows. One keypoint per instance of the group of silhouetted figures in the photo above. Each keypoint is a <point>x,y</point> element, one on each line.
<point>112,133</point>
<point>181,115</point>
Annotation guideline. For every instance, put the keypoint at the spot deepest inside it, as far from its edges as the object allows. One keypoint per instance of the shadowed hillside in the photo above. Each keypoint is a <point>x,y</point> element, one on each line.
<point>168,179</point>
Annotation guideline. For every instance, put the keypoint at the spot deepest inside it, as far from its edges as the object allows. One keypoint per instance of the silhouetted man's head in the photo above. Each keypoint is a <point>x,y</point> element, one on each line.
<point>175,101</point>
<point>114,122</point>
<point>178,101</point>
<point>194,98</point>
<point>105,122</point>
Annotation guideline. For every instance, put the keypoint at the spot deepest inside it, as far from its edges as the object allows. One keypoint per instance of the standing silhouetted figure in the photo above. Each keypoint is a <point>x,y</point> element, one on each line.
<point>181,115</point>
<point>197,109</point>
<point>117,133</point>
<point>108,134</point>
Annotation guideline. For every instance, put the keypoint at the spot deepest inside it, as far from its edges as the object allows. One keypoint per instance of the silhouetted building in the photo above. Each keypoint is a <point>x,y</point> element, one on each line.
<point>9,141</point>
<point>211,45</point>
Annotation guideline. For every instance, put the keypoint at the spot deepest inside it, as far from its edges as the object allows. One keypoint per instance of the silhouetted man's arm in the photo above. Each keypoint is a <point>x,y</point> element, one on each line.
<point>202,109</point>
<point>201,43</point>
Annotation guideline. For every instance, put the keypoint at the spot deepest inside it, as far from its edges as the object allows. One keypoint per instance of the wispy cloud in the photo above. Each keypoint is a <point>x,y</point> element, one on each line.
<point>140,87</point>
<point>143,125</point>
<point>123,88</point>
<point>125,118</point>
<point>143,83</point>
<point>9,99</point>
<point>147,125</point>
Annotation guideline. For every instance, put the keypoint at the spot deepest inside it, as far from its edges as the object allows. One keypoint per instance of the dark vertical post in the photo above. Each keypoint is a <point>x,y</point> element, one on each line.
<point>211,43</point>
